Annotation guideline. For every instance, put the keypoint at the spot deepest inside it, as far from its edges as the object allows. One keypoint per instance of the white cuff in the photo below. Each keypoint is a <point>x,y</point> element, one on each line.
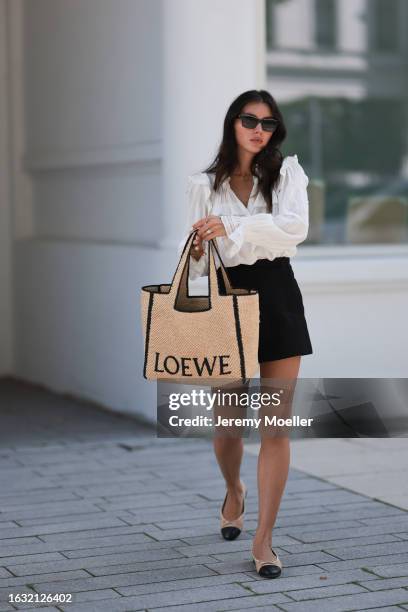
<point>235,241</point>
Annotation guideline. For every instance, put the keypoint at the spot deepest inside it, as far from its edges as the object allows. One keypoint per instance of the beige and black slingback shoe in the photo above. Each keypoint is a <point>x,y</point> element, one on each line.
<point>268,569</point>
<point>231,529</point>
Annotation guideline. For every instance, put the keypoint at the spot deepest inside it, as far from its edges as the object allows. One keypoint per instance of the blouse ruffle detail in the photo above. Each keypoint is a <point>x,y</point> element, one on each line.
<point>284,230</point>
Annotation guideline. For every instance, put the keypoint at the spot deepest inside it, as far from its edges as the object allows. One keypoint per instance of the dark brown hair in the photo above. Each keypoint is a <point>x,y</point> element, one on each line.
<point>266,164</point>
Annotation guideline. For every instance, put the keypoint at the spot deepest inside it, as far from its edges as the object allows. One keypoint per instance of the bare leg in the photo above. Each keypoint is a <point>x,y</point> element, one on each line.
<point>273,466</point>
<point>229,450</point>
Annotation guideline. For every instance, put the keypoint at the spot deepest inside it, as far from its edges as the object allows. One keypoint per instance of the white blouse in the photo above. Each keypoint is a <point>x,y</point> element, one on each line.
<point>252,232</point>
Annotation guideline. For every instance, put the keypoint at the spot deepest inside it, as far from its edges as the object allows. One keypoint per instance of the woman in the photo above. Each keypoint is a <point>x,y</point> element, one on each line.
<point>259,213</point>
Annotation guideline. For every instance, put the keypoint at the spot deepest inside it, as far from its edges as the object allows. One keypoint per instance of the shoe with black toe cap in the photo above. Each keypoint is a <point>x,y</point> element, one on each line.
<point>268,569</point>
<point>231,529</point>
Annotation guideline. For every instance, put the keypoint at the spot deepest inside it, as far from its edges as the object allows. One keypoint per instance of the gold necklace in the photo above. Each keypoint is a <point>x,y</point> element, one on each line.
<point>242,175</point>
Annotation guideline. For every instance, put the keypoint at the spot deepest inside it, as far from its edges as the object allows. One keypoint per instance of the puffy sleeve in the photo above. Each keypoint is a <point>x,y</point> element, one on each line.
<point>199,204</point>
<point>288,227</point>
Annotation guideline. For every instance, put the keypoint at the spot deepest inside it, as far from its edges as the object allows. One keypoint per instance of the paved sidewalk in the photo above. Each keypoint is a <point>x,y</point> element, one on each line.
<point>376,467</point>
<point>95,505</point>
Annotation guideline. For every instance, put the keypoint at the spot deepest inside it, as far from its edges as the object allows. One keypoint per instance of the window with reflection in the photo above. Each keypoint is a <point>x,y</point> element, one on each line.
<point>270,22</point>
<point>385,31</point>
<point>345,102</point>
<point>325,23</point>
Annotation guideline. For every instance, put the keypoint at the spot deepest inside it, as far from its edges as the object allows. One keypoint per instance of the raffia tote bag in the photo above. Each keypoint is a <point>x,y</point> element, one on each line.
<point>199,337</point>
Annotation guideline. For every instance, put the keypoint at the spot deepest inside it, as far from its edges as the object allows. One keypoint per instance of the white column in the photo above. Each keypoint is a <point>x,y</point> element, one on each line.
<point>352,27</point>
<point>6,335</point>
<point>20,180</point>
<point>213,51</point>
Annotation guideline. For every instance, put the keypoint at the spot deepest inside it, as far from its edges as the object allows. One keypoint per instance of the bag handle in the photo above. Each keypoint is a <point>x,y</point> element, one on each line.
<point>224,272</point>
<point>179,285</point>
<point>213,242</point>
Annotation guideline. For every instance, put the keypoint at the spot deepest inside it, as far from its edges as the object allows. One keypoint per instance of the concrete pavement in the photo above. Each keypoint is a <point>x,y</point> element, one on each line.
<point>94,505</point>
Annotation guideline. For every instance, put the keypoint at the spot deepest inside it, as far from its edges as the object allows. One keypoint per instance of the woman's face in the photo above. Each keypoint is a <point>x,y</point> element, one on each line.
<point>256,139</point>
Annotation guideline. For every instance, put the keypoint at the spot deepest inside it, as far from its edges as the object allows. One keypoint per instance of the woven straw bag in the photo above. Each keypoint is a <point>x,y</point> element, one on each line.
<point>196,337</point>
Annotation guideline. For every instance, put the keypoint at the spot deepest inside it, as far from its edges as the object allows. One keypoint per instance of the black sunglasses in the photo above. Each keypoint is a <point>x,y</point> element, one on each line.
<point>250,122</point>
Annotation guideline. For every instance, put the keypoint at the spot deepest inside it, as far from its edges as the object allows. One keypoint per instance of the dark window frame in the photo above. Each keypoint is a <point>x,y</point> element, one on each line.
<point>325,33</point>
<point>270,23</point>
<point>384,31</point>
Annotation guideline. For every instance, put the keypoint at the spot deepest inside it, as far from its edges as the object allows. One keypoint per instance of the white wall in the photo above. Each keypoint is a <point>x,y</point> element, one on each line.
<point>113,89</point>
<point>6,319</point>
<point>93,114</point>
<point>355,302</point>
<point>79,322</point>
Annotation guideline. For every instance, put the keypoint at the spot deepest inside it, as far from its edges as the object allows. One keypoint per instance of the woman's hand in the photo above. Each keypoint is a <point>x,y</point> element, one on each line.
<point>209,227</point>
<point>197,249</point>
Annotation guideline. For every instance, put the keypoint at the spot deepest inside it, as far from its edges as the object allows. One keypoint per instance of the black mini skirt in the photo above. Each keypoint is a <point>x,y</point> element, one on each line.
<point>283,329</point>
